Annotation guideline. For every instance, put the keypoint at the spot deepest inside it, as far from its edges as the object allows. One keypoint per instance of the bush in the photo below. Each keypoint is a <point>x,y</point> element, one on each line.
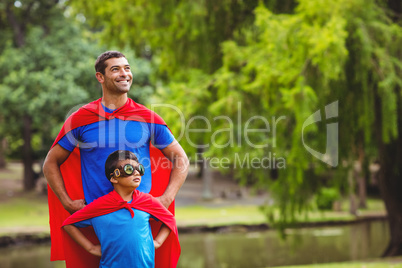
<point>326,198</point>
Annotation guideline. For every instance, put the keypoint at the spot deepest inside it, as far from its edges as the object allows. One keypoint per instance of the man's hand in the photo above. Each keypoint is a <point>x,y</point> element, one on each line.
<point>51,169</point>
<point>74,205</point>
<point>164,201</point>
<point>175,153</point>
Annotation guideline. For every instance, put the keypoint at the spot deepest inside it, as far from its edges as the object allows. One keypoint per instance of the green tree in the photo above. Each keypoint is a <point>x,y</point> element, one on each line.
<point>181,34</point>
<point>45,62</point>
<point>277,69</point>
<point>182,39</point>
<point>47,66</point>
<point>293,65</point>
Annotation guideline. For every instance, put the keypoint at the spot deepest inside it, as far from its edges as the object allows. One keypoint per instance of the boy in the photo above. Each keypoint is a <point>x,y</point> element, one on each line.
<point>121,218</point>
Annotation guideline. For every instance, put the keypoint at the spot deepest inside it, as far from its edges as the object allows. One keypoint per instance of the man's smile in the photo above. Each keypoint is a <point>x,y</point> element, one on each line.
<point>125,81</point>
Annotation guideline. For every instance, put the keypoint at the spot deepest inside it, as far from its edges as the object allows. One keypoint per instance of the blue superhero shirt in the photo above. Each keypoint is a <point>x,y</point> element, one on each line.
<point>125,241</point>
<point>98,140</point>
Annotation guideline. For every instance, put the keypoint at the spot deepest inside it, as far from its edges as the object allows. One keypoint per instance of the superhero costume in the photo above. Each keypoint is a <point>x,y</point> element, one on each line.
<point>63,247</point>
<point>141,201</point>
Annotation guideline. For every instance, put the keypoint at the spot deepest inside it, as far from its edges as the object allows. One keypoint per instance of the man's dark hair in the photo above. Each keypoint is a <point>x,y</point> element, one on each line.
<point>114,158</point>
<point>100,64</point>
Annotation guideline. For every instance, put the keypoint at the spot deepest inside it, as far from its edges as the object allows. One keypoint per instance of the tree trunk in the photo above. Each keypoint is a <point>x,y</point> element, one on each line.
<point>200,163</point>
<point>2,153</point>
<point>207,181</point>
<point>360,173</point>
<point>391,168</point>
<point>352,195</point>
<point>362,192</point>
<point>390,187</point>
<point>29,176</point>
<point>18,28</point>
<point>390,178</point>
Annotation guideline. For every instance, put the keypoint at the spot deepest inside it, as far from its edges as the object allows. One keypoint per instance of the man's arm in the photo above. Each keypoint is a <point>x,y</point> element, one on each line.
<point>175,153</point>
<point>161,236</point>
<point>51,169</point>
<point>81,240</point>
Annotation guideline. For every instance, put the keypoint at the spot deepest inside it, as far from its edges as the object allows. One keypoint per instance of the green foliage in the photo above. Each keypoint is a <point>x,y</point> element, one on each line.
<point>326,197</point>
<point>44,79</point>
<point>293,65</point>
<point>248,78</point>
<point>179,33</point>
<point>51,73</point>
<point>142,70</point>
<point>182,38</point>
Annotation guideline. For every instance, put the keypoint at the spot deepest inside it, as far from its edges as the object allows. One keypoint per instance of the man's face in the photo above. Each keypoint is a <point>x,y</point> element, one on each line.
<point>118,77</point>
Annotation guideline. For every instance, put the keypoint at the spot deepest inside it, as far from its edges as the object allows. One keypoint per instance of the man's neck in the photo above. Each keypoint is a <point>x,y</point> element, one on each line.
<point>114,102</point>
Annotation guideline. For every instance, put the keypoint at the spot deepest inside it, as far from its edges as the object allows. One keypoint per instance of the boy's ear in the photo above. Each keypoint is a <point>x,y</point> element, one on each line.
<point>113,180</point>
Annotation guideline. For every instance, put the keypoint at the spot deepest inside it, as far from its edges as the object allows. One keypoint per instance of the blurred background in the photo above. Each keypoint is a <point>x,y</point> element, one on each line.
<point>289,111</point>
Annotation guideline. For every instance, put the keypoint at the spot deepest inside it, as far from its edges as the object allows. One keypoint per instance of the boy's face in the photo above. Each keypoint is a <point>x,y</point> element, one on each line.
<point>131,181</point>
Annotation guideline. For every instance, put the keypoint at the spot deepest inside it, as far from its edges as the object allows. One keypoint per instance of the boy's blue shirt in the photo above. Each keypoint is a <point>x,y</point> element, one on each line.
<point>113,202</point>
<point>124,240</point>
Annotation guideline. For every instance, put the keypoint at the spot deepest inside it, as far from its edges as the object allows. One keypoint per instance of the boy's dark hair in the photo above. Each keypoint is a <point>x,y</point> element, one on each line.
<point>100,64</point>
<point>114,158</point>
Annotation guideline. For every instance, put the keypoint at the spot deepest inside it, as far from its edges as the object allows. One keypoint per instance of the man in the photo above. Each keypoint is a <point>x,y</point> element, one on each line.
<point>88,136</point>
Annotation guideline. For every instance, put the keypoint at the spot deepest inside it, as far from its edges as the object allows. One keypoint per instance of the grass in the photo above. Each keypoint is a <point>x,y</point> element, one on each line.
<point>383,263</point>
<point>30,209</point>
<point>197,215</point>
<point>24,211</point>
<point>215,216</point>
<point>24,214</point>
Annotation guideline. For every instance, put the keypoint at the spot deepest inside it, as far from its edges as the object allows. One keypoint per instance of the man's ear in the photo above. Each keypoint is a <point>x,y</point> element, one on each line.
<point>100,77</point>
<point>113,180</point>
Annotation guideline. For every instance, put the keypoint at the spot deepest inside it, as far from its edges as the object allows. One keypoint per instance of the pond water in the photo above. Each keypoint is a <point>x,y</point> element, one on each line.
<point>256,249</point>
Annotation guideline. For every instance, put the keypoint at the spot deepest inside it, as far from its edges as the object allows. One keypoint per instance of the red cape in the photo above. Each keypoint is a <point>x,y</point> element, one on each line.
<point>141,201</point>
<point>63,247</point>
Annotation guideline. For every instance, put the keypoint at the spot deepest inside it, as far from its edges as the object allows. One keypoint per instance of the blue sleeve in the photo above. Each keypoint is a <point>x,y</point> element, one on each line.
<point>69,141</point>
<point>84,223</point>
<point>161,136</point>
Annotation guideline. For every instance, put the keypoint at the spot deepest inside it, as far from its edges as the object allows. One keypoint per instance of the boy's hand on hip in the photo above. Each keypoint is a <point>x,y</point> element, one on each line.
<point>157,244</point>
<point>96,250</point>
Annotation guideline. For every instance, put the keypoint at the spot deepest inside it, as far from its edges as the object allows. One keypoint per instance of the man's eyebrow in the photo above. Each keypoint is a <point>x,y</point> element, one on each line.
<point>113,66</point>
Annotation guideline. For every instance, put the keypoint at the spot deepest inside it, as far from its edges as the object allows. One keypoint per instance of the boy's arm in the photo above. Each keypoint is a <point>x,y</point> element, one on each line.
<point>81,240</point>
<point>161,236</point>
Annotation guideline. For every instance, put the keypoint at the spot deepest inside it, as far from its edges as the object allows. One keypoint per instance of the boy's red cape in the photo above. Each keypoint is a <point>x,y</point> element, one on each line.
<point>63,247</point>
<point>141,201</point>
